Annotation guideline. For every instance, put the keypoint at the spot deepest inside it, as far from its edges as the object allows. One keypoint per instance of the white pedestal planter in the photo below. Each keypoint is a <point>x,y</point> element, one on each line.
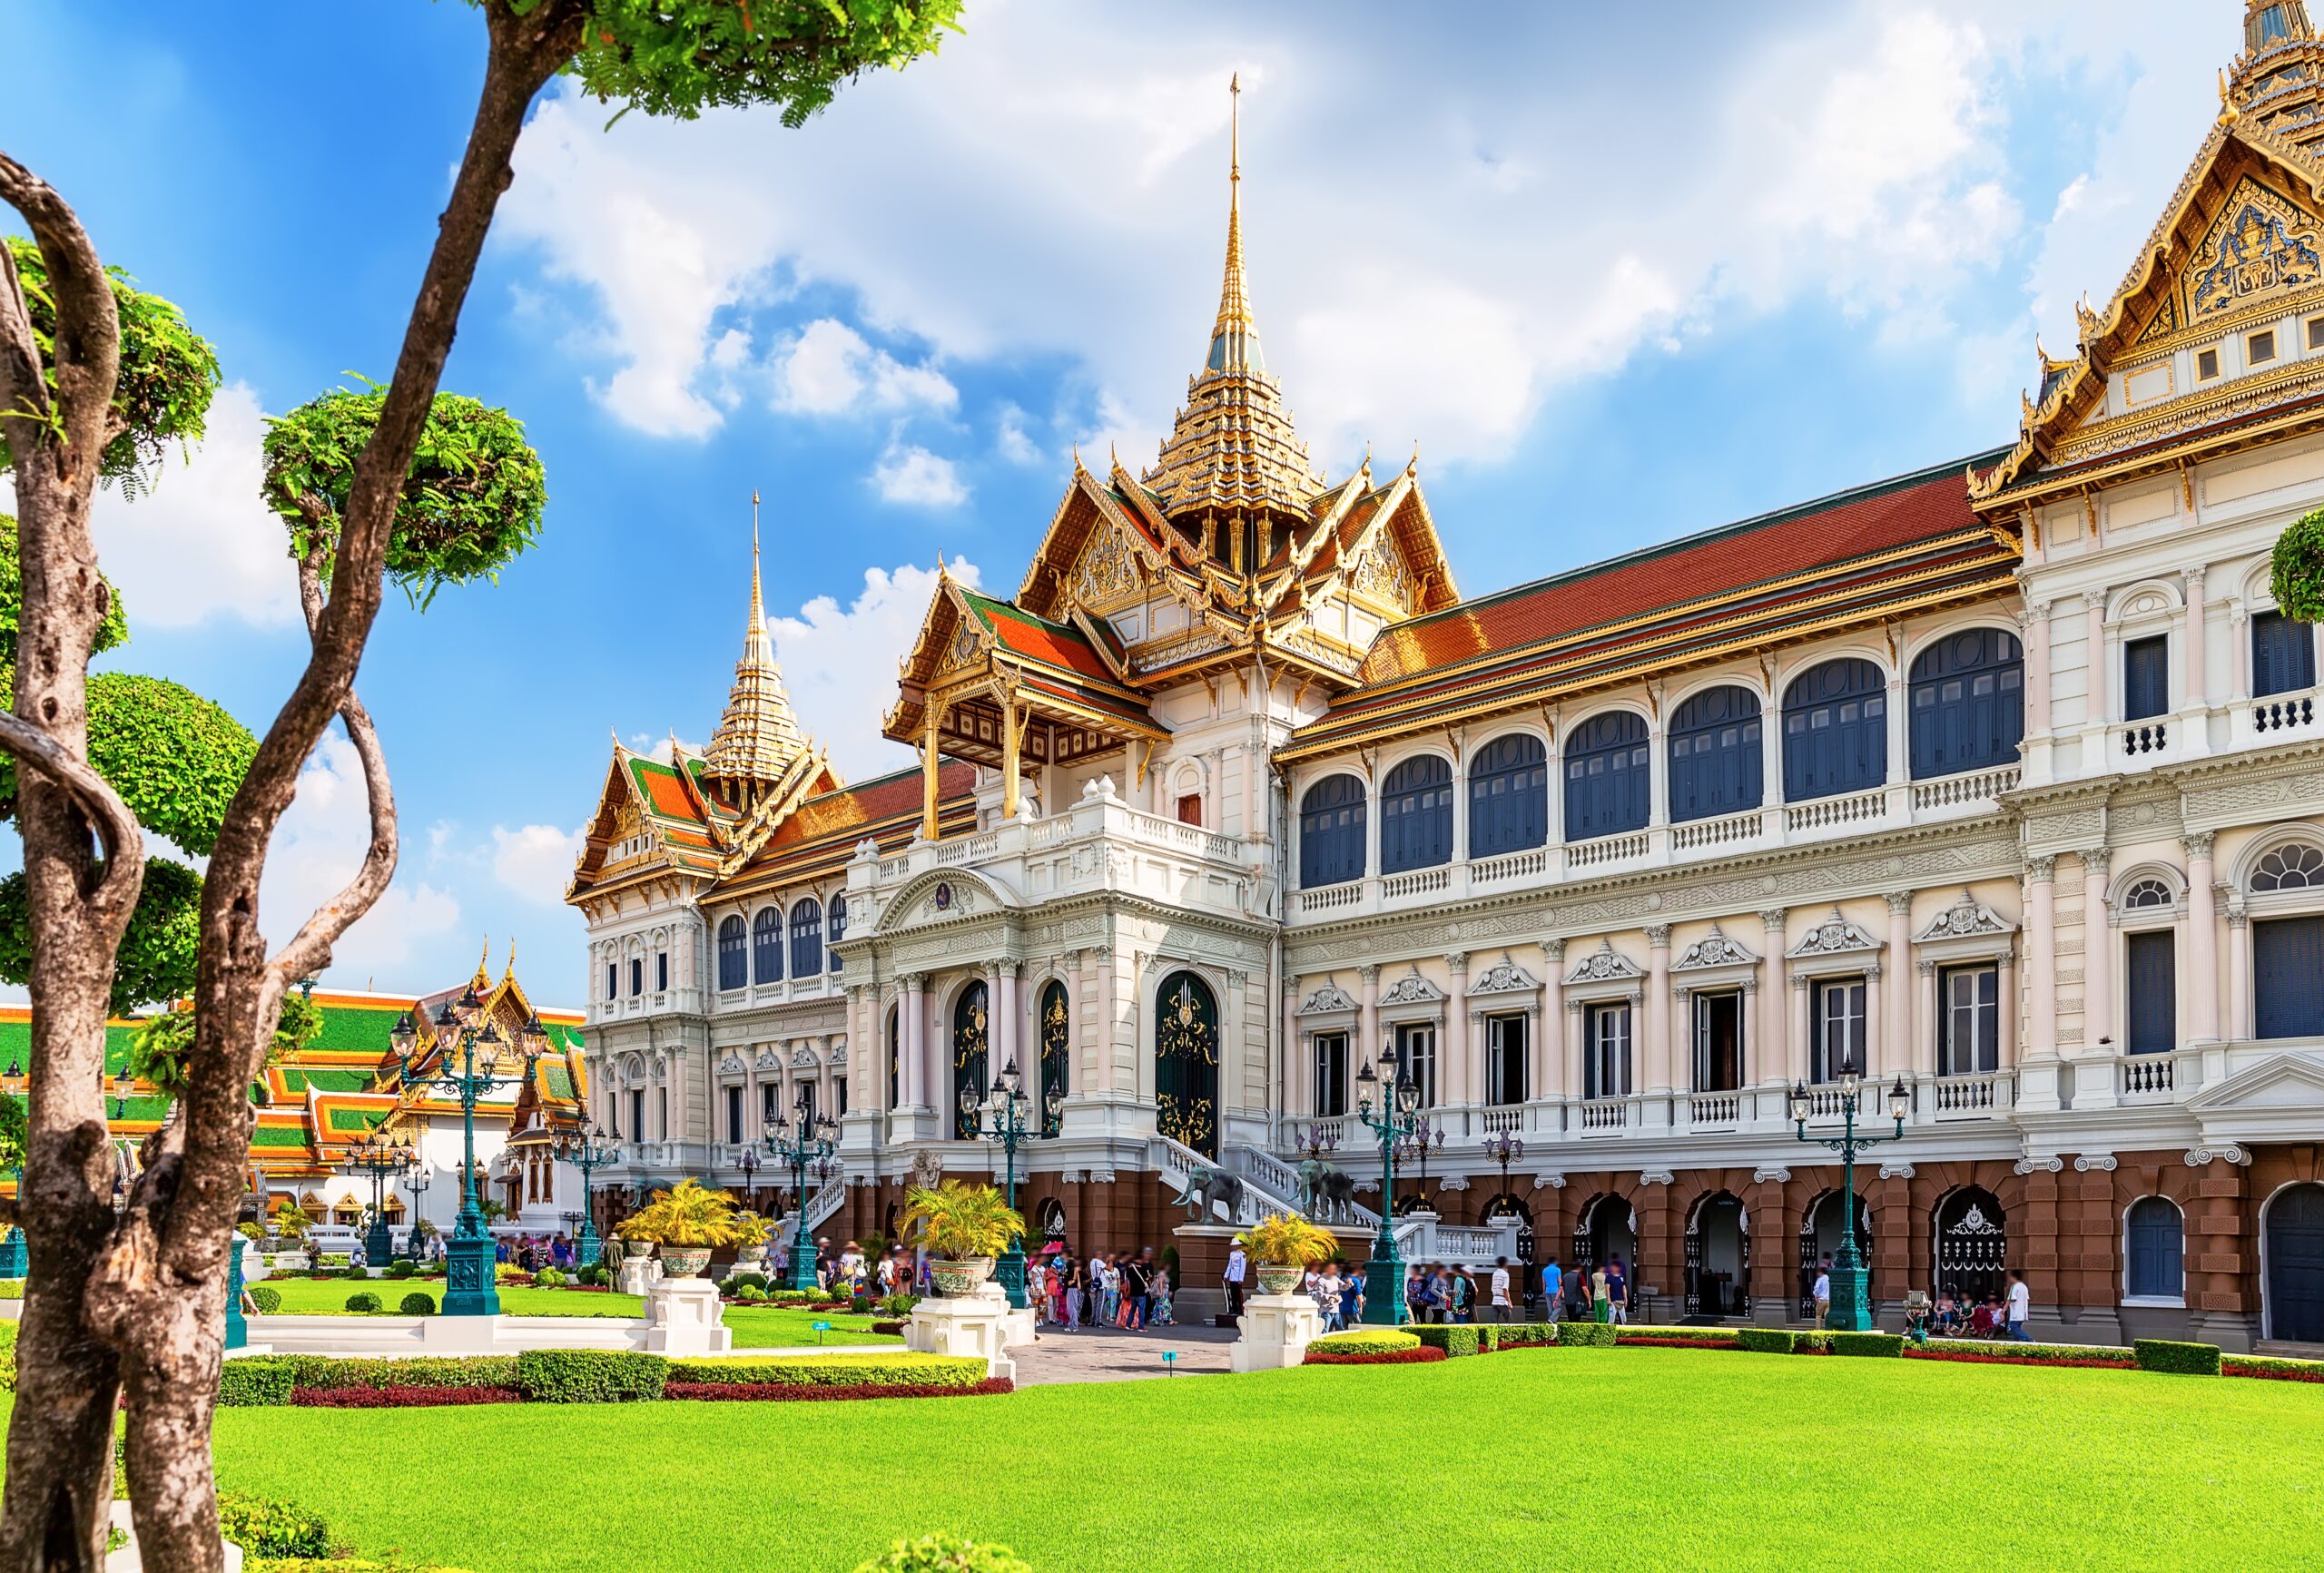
<point>972,1326</point>
<point>640,1273</point>
<point>682,1319</point>
<point>1276,1329</point>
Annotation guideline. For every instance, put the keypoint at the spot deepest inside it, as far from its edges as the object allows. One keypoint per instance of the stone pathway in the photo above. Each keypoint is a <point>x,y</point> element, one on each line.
<point>1095,1354</point>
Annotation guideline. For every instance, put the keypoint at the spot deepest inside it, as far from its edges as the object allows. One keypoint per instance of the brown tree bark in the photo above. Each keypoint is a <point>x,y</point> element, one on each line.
<point>140,1300</point>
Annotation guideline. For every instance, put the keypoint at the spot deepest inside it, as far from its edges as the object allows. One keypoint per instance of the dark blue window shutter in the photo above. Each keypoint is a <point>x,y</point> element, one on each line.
<point>1716,750</point>
<point>1332,832</point>
<point>839,929</point>
<point>2155,1243</point>
<point>1607,784</point>
<point>2146,677</point>
<point>1968,702</point>
<point>733,955</point>
<point>2283,654</point>
<point>1835,731</point>
<point>766,946</point>
<point>806,939</point>
<point>1417,815</point>
<point>2288,977</point>
<point>1509,796</point>
<point>2152,993</point>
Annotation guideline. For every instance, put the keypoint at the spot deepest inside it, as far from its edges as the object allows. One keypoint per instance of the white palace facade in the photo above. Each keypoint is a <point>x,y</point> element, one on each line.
<point>2004,779</point>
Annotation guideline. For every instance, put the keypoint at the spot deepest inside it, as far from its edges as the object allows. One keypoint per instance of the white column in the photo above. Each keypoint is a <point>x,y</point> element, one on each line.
<point>1460,1083</point>
<point>2093,622</point>
<point>912,1029</point>
<point>1878,1056</point>
<point>1005,1016</point>
<point>1774,1053</point>
<point>1371,1046</point>
<point>2198,624</point>
<point>2239,637</point>
<point>2239,971</point>
<point>1576,1048</point>
<point>1657,1068</point>
<point>2035,621</point>
<point>2041,955</point>
<point>1460,800</point>
<point>2005,1034</point>
<point>2203,941</point>
<point>1547,1078</point>
<point>1299,1062</point>
<point>1658,761</point>
<point>2097,956</point>
<point>1923,1060</point>
<point>1900,770</point>
<point>1901,1051</point>
<point>1799,1027</point>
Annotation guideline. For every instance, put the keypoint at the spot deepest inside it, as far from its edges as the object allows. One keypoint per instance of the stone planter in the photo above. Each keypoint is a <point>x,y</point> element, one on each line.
<point>1280,1278</point>
<point>956,1280</point>
<point>685,1261</point>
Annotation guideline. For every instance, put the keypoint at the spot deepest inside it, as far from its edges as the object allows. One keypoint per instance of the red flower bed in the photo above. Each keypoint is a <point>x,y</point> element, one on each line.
<point>2264,1374</point>
<point>400,1397</point>
<point>1947,1354</point>
<point>776,1392</point>
<point>893,1329</point>
<point>1424,1355</point>
<point>1675,1343</point>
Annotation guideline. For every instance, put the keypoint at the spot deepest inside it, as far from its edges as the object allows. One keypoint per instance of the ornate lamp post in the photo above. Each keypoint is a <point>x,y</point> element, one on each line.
<point>1414,1147</point>
<point>1851,1311</point>
<point>1002,1121</point>
<point>1397,1097</point>
<point>1316,1147</point>
<point>469,1287</point>
<point>813,1142</point>
<point>417,1182</point>
<point>382,1160</point>
<point>585,1152</point>
<point>1503,1150</point>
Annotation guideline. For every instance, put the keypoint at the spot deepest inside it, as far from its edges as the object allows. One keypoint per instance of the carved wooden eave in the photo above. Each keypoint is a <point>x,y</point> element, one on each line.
<point>809,775</point>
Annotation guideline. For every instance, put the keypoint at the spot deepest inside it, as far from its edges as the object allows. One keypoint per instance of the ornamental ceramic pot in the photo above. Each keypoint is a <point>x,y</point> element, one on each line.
<point>1280,1277</point>
<point>958,1279</point>
<point>685,1261</point>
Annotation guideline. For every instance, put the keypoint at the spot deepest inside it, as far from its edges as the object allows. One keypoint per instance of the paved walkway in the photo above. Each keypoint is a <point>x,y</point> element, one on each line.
<point>1103,1354</point>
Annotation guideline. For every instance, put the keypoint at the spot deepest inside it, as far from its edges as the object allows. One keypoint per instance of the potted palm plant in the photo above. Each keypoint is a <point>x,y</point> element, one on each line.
<point>1283,1248</point>
<point>962,1228</point>
<point>689,1223</point>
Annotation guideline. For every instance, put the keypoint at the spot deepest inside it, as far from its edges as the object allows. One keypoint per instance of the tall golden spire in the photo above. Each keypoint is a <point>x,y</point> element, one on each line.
<point>2266,22</point>
<point>2278,82</point>
<point>1234,339</point>
<point>758,738</point>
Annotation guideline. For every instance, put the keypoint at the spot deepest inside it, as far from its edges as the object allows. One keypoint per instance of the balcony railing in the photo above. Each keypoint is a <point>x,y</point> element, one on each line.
<point>2281,716</point>
<point>1692,835</point>
<point>1850,808</point>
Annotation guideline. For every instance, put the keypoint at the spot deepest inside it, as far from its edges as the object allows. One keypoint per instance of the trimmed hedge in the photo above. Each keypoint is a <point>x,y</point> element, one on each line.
<point>1525,1335</point>
<point>255,1381</point>
<point>418,1303</point>
<point>1586,1334</point>
<point>365,1303</point>
<point>843,1371</point>
<point>590,1375</point>
<point>943,1554</point>
<point>11,1289</point>
<point>263,1527</point>
<point>1419,1355</point>
<point>400,1397</point>
<point>2271,1366</point>
<point>1767,1340</point>
<point>781,1392</point>
<point>2177,1358</point>
<point>1981,1351</point>
<point>1881,1345</point>
<point>1454,1340</point>
<point>267,1298</point>
<point>1367,1340</point>
<point>1677,1337</point>
<point>327,1373</point>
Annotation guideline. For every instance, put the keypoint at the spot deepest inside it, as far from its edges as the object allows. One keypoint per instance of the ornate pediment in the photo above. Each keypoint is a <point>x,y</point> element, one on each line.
<point>1379,573</point>
<point>1330,998</point>
<point>2259,245</point>
<point>732,1065</point>
<point>1968,918</point>
<point>1106,571</point>
<point>1713,949</point>
<point>1414,990</point>
<point>1605,965</point>
<point>1834,936</point>
<point>802,1059</point>
<point>1504,976</point>
<point>769,1060</point>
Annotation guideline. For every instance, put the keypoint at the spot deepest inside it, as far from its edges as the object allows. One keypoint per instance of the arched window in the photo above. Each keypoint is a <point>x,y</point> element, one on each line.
<point>734,954</point>
<point>1417,815</point>
<point>1607,787</point>
<point>1835,731</point>
<point>838,930</point>
<point>971,1040</point>
<point>2154,1243</point>
<point>2294,866</point>
<point>806,939</point>
<point>1186,1062</point>
<point>1715,754</point>
<point>1056,1055</point>
<point>2145,893</point>
<point>1968,702</point>
<point>766,946</point>
<point>1330,832</point>
<point>1509,796</point>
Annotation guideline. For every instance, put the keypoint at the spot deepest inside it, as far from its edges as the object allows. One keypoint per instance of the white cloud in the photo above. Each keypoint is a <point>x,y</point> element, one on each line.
<point>840,663</point>
<point>535,860</point>
<point>919,478</point>
<point>1014,442</point>
<point>827,368</point>
<point>661,748</point>
<point>317,848</point>
<point>202,544</point>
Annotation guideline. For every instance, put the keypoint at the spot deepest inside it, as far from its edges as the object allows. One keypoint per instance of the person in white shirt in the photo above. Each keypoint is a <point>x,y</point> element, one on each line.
<point>1500,1289</point>
<point>1233,1279</point>
<point>2021,1306</point>
<point>1822,1293</point>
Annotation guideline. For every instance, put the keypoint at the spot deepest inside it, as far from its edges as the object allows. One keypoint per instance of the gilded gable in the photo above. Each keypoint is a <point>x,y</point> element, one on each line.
<point>1379,573</point>
<point>1106,573</point>
<point>2260,245</point>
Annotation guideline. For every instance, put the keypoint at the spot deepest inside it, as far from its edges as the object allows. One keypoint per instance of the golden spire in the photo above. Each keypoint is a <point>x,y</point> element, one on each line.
<point>1234,339</point>
<point>758,738</point>
<point>2266,22</point>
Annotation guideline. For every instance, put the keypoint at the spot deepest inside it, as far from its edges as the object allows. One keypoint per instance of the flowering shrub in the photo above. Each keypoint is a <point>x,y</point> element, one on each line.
<point>400,1397</point>
<point>1366,1341</point>
<point>319,1371</point>
<point>1423,1354</point>
<point>850,1371</point>
<point>779,1393</point>
<point>2270,1366</point>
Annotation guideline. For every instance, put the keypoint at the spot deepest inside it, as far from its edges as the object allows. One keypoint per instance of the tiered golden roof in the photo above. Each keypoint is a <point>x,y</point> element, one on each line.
<point>2278,78</point>
<point>758,739</point>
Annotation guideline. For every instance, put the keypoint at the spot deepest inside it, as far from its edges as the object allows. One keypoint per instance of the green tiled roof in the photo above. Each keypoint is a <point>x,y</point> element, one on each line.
<point>278,1137</point>
<point>17,1045</point>
<point>150,1106</point>
<point>357,1120</point>
<point>355,1029</point>
<point>558,1079</point>
<point>298,1080</point>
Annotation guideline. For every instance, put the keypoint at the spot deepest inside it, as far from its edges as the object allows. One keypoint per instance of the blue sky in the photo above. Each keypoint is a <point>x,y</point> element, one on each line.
<point>1619,273</point>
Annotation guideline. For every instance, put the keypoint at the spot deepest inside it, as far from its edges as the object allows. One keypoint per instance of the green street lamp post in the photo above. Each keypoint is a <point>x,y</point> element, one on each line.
<point>1414,1147</point>
<point>1002,1122</point>
<point>1397,1096</point>
<point>811,1142</point>
<point>469,1282</point>
<point>585,1152</point>
<point>381,1160</point>
<point>417,1182</point>
<point>1851,1308</point>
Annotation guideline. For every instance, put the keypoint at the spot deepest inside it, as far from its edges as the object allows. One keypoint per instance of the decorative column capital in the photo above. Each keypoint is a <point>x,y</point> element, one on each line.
<point>1900,903</point>
<point>1776,1171</point>
<point>1458,960</point>
<point>2198,844</point>
<point>1368,973</point>
<point>1657,1177</point>
<point>2035,612</point>
<point>1658,935</point>
<point>1554,948</point>
<point>2085,1163</point>
<point>1800,982</point>
<point>2093,601</point>
<point>2096,859</point>
<point>1006,967</point>
<point>1925,968</point>
<point>911,982</point>
<point>2048,1165</point>
<point>2194,577</point>
<point>1772,917</point>
<point>2042,868</point>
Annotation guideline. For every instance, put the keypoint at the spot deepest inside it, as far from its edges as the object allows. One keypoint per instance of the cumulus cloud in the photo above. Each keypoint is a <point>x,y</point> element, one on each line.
<point>910,474</point>
<point>535,860</point>
<point>317,849</point>
<point>829,368</point>
<point>840,663</point>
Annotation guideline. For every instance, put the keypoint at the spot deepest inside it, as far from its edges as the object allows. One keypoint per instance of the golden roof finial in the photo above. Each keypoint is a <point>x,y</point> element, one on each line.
<point>484,961</point>
<point>509,976</point>
<point>758,737</point>
<point>1235,339</point>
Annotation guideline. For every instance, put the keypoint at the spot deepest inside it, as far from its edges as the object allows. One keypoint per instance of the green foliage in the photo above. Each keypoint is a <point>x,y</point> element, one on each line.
<point>681,57</point>
<point>1715,1337</point>
<point>738,1282</point>
<point>2038,1353</point>
<point>168,373</point>
<point>1586,1334</point>
<point>401,1270</point>
<point>14,1133</point>
<point>958,1221</point>
<point>835,1369</point>
<point>898,1304</point>
<point>589,1375</point>
<point>471,501</point>
<point>549,1278</point>
<point>11,1289</point>
<point>943,1554</point>
<point>1521,1334</point>
<point>331,1374</point>
<point>750,1294</point>
<point>1277,1240</point>
<point>2271,1365</point>
<point>255,1381</point>
<point>2176,1357</point>
<point>175,758</point>
<point>267,1298</point>
<point>263,1527</point>
<point>112,631</point>
<point>2296,568</point>
<point>364,1304</point>
<point>1768,1340</point>
<point>1888,1345</point>
<point>1454,1340</point>
<point>1366,1341</point>
<point>418,1303</point>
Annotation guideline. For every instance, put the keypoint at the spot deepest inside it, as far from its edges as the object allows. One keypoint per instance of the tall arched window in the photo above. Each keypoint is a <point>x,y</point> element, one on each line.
<point>734,954</point>
<point>1509,796</point>
<point>1331,832</point>
<point>806,939</point>
<point>1607,780</point>
<point>1715,754</point>
<point>2154,1244</point>
<point>1056,1055</point>
<point>2283,653</point>
<point>1186,1062</point>
<point>1417,815</point>
<point>1835,731</point>
<point>838,930</point>
<point>1968,702</point>
<point>766,946</point>
<point>971,1030</point>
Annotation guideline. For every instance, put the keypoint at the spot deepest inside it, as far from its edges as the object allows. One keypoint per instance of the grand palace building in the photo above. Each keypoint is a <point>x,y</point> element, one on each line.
<point>2001,781</point>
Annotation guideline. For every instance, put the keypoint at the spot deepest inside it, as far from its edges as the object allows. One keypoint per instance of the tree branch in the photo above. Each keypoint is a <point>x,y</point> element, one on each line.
<point>124,870</point>
<point>88,333</point>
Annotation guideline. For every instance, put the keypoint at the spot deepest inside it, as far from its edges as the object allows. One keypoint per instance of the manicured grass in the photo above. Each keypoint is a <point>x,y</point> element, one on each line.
<point>755,1326</point>
<point>1610,1459</point>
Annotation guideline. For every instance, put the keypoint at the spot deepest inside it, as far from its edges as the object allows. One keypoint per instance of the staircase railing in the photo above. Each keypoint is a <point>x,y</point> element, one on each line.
<point>1254,1200</point>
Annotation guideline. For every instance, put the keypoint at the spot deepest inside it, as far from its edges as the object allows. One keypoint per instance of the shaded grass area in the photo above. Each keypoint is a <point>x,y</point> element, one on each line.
<point>1612,1459</point>
<point>755,1326</point>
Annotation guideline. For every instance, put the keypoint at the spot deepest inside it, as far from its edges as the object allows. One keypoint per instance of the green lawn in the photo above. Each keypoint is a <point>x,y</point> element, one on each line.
<point>1606,1459</point>
<point>755,1327</point>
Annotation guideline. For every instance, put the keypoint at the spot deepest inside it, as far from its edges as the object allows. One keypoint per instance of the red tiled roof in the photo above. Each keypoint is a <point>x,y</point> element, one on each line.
<point>1022,634</point>
<point>849,807</point>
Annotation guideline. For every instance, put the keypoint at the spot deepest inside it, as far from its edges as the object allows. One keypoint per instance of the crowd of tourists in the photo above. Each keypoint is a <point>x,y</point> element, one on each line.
<point>1128,1291</point>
